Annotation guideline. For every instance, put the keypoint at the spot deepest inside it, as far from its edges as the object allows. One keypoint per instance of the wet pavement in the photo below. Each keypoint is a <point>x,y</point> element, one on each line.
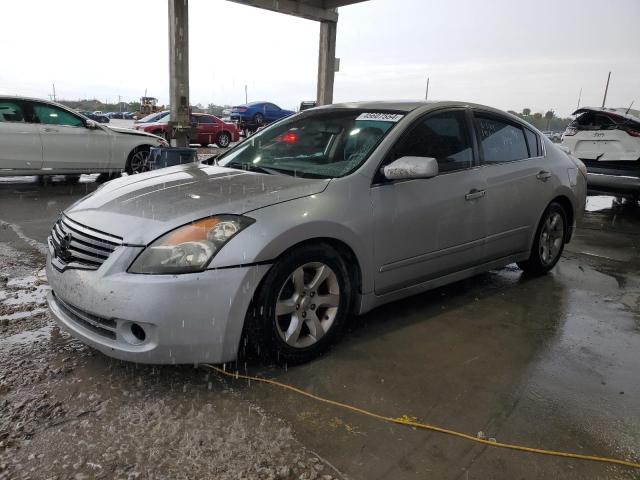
<point>549,362</point>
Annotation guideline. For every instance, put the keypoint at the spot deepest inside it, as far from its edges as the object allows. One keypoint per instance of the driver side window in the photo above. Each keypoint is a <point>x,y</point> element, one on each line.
<point>50,115</point>
<point>443,136</point>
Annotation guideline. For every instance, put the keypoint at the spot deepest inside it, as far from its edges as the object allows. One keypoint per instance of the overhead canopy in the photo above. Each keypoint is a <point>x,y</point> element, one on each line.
<point>319,10</point>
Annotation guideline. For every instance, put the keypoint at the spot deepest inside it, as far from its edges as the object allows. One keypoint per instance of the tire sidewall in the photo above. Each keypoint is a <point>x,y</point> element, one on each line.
<point>268,341</point>
<point>553,207</point>
<point>224,135</point>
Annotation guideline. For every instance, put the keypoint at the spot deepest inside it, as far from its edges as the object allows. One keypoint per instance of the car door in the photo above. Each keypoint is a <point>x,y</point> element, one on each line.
<point>207,128</point>
<point>21,147</point>
<point>272,112</point>
<point>518,182</point>
<point>67,143</point>
<point>427,228</point>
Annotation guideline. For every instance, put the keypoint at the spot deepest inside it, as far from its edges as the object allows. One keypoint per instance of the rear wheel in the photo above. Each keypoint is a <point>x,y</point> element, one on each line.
<point>301,306</point>
<point>549,242</point>
<point>223,140</point>
<point>138,161</point>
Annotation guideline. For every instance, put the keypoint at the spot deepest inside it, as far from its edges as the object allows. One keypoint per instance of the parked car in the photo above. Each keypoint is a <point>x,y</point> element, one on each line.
<point>307,104</point>
<point>331,212</point>
<point>258,113</point>
<point>210,129</point>
<point>607,140</point>
<point>129,116</point>
<point>96,118</point>
<point>152,117</point>
<point>39,137</point>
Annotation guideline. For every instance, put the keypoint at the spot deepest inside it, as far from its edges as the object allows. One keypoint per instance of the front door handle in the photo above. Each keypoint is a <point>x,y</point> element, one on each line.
<point>51,130</point>
<point>543,175</point>
<point>474,194</point>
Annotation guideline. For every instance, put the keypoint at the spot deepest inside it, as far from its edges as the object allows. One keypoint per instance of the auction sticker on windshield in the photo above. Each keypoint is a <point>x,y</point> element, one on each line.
<point>383,117</point>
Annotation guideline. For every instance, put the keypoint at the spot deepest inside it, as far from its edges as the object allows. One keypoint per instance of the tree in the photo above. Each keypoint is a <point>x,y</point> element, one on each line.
<point>537,116</point>
<point>526,112</point>
<point>549,116</point>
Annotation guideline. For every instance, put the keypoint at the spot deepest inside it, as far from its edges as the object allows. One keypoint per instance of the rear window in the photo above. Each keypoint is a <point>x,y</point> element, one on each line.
<point>596,121</point>
<point>535,149</point>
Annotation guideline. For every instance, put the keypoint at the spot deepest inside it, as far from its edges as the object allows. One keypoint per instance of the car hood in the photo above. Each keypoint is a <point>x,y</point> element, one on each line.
<point>140,208</point>
<point>129,131</point>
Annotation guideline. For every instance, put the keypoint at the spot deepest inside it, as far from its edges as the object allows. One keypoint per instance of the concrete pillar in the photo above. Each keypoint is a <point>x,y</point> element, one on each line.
<point>180,120</point>
<point>326,62</point>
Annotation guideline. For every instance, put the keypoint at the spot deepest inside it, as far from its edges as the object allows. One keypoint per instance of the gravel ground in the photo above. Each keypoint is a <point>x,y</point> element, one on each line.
<point>67,411</point>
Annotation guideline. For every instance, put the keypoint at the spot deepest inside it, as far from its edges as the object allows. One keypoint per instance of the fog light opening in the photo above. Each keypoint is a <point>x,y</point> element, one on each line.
<point>138,332</point>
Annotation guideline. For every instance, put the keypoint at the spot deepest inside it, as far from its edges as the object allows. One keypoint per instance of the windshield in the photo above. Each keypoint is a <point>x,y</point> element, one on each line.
<point>152,117</point>
<point>318,145</point>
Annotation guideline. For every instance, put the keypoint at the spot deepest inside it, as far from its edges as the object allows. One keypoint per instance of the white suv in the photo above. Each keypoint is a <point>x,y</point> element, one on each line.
<point>607,140</point>
<point>38,137</point>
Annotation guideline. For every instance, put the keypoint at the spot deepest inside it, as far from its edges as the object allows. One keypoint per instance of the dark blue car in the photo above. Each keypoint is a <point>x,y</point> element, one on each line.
<point>258,113</point>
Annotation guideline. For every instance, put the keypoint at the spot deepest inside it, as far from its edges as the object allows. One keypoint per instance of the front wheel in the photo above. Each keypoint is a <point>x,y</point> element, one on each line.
<point>301,306</point>
<point>548,245</point>
<point>138,161</point>
<point>258,119</point>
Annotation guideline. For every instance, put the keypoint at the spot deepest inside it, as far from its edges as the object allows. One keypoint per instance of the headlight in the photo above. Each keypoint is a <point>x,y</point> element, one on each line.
<point>191,247</point>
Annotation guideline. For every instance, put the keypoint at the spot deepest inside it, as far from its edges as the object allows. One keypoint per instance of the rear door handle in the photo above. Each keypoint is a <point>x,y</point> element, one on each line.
<point>474,194</point>
<point>543,175</point>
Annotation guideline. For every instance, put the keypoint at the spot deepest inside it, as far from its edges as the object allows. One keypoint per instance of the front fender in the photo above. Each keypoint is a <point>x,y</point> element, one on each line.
<point>282,226</point>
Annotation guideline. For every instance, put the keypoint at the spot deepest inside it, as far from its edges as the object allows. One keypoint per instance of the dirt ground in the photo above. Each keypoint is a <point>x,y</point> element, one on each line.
<point>548,362</point>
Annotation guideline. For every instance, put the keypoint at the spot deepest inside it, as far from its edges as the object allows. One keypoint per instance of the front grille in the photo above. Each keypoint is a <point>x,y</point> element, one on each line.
<point>75,246</point>
<point>102,326</point>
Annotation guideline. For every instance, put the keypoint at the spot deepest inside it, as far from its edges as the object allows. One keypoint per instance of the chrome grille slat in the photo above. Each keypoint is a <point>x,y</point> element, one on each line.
<point>75,246</point>
<point>105,237</point>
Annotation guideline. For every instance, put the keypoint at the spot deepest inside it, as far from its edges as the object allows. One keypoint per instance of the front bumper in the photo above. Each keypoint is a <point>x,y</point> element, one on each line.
<point>613,183</point>
<point>189,318</point>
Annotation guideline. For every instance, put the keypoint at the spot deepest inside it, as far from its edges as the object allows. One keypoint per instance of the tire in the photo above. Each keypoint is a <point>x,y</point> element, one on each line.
<point>303,327</point>
<point>72,179</point>
<point>549,242</point>
<point>223,140</point>
<point>138,160</point>
<point>258,118</point>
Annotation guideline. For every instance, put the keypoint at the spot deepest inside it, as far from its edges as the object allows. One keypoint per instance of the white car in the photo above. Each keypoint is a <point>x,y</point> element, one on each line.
<point>38,137</point>
<point>607,140</point>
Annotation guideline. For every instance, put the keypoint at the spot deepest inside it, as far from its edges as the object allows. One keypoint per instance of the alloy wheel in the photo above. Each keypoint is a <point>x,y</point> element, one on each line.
<point>551,238</point>
<point>307,305</point>
<point>139,161</point>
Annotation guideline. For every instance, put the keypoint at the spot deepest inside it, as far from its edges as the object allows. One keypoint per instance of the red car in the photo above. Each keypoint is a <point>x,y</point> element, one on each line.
<point>210,130</point>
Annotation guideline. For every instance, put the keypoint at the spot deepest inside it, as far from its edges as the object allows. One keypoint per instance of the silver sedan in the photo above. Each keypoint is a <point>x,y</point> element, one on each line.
<point>330,212</point>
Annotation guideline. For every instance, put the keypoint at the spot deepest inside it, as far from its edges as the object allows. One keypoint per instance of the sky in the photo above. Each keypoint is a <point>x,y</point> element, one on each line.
<point>510,54</point>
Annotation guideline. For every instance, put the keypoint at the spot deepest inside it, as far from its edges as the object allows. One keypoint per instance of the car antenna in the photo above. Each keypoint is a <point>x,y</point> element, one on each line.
<point>629,107</point>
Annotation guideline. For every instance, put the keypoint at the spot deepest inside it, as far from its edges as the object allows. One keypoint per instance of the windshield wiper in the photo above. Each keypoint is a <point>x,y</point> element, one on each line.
<point>253,168</point>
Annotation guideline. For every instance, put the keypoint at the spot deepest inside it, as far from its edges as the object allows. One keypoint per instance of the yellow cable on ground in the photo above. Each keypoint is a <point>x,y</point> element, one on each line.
<point>408,422</point>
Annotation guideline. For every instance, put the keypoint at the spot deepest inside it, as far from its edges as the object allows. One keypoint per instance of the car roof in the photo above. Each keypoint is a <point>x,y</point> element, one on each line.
<point>410,105</point>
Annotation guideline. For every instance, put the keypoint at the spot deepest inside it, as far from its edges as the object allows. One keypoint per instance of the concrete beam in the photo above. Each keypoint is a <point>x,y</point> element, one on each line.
<point>295,8</point>
<point>180,119</point>
<point>326,62</point>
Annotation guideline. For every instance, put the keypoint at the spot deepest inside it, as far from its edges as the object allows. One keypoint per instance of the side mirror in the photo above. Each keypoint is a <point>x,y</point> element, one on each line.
<point>91,125</point>
<point>411,167</point>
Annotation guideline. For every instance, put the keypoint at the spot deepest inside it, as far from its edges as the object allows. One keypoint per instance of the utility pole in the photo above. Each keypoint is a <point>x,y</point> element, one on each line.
<point>246,98</point>
<point>426,95</point>
<point>54,92</point>
<point>179,71</point>
<point>606,89</point>
<point>119,104</point>
<point>579,98</point>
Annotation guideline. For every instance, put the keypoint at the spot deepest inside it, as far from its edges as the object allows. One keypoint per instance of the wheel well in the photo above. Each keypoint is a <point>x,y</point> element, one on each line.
<point>566,205</point>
